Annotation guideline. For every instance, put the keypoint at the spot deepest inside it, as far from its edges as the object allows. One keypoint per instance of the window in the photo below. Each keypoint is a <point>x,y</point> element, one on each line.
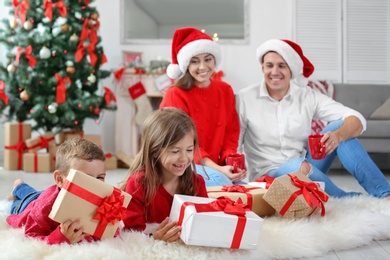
<point>348,41</point>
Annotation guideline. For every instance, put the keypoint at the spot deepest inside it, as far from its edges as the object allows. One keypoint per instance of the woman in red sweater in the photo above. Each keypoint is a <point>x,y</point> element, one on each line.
<point>210,103</point>
<point>161,169</point>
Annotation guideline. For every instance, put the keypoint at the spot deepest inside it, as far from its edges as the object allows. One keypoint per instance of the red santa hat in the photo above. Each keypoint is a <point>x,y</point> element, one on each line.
<point>301,68</point>
<point>186,43</point>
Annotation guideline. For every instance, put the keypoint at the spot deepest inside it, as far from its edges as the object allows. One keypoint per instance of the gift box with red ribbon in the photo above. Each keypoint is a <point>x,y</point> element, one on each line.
<point>253,196</point>
<point>111,162</point>
<point>295,196</point>
<point>65,135</point>
<point>40,142</point>
<point>14,144</point>
<point>219,222</point>
<point>100,206</point>
<point>37,162</point>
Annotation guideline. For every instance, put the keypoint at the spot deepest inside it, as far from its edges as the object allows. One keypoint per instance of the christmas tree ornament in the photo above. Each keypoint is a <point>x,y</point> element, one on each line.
<point>144,108</point>
<point>13,23</point>
<point>28,25</point>
<point>92,78</point>
<point>24,95</point>
<point>65,27</point>
<point>11,68</point>
<point>96,111</point>
<point>70,69</point>
<point>44,53</point>
<point>74,38</point>
<point>94,16</point>
<point>52,108</point>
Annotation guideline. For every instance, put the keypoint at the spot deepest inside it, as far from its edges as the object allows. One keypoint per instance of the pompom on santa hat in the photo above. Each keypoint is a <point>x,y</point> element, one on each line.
<point>301,68</point>
<point>186,43</point>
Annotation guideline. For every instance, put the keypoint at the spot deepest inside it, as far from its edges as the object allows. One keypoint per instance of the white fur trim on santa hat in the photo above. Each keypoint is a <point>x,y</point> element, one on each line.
<point>290,56</point>
<point>190,50</point>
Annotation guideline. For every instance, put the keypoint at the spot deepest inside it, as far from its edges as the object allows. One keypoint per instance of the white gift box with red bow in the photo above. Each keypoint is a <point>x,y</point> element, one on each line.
<point>217,222</point>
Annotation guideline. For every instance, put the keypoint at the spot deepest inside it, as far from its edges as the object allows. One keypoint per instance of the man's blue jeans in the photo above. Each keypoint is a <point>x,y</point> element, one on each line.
<point>354,158</point>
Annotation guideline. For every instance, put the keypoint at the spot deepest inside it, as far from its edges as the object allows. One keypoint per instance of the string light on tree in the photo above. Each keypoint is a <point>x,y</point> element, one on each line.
<point>74,38</point>
<point>215,37</point>
<point>13,23</point>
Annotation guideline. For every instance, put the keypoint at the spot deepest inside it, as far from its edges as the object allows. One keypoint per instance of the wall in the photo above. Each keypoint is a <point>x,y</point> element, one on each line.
<point>268,19</point>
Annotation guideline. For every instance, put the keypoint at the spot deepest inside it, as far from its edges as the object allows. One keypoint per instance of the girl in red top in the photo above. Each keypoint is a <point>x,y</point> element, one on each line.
<point>210,103</point>
<point>161,169</point>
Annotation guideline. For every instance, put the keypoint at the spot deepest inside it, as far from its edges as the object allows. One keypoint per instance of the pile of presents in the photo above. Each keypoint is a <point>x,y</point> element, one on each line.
<point>232,216</point>
<point>22,151</point>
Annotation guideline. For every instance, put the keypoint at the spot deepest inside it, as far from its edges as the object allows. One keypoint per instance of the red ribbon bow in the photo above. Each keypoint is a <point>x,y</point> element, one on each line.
<point>108,96</point>
<point>108,155</point>
<point>111,209</point>
<point>91,52</point>
<point>48,5</point>
<point>27,54</point>
<point>310,191</point>
<point>92,33</point>
<point>61,89</point>
<point>22,8</point>
<point>267,179</point>
<point>236,188</point>
<point>3,96</point>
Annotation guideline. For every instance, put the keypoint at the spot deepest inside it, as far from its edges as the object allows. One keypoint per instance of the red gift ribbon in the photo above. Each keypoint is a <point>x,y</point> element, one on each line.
<point>310,191</point>
<point>226,205</point>
<point>108,96</point>
<point>110,209</point>
<point>22,8</point>
<point>35,162</point>
<point>20,147</point>
<point>108,155</point>
<point>267,179</point>
<point>61,89</point>
<point>240,189</point>
<point>27,54</point>
<point>42,143</point>
<point>3,96</point>
<point>48,6</point>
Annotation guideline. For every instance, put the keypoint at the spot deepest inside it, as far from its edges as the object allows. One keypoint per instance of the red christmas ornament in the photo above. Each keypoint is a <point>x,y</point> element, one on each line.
<point>96,111</point>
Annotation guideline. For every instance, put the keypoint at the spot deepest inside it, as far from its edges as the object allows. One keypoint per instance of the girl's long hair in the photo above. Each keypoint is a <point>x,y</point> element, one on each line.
<point>162,129</point>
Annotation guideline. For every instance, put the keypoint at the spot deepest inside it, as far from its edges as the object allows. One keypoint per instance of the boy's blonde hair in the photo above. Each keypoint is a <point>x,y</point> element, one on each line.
<point>75,149</point>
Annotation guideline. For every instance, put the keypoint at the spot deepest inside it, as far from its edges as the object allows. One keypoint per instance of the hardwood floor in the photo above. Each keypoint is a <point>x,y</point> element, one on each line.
<point>377,250</point>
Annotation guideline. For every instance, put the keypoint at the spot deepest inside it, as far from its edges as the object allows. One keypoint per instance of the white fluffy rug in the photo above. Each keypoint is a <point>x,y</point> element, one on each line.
<point>348,223</point>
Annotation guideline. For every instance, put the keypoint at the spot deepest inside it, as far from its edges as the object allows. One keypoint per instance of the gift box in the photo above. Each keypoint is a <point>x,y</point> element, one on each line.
<point>100,206</point>
<point>65,135</point>
<point>216,222</point>
<point>111,162</point>
<point>295,196</point>
<point>53,152</point>
<point>37,162</point>
<point>14,144</point>
<point>253,196</point>
<point>40,142</point>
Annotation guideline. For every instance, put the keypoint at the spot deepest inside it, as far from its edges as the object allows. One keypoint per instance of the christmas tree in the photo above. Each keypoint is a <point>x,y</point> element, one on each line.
<point>52,73</point>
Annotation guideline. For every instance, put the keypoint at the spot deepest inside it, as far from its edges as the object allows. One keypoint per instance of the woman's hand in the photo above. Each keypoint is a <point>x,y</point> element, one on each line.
<point>72,230</point>
<point>228,170</point>
<point>168,232</point>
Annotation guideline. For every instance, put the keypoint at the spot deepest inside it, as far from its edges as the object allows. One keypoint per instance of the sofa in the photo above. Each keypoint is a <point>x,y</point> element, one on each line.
<point>367,98</point>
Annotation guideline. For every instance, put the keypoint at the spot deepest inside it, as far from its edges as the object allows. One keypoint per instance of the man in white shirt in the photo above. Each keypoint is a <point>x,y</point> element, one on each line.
<point>275,121</point>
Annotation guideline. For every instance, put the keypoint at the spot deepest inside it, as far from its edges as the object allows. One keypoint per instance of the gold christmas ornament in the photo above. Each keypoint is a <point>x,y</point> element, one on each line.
<point>65,27</point>
<point>94,16</point>
<point>27,25</point>
<point>92,78</point>
<point>11,68</point>
<point>13,23</point>
<point>74,38</point>
<point>24,95</point>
